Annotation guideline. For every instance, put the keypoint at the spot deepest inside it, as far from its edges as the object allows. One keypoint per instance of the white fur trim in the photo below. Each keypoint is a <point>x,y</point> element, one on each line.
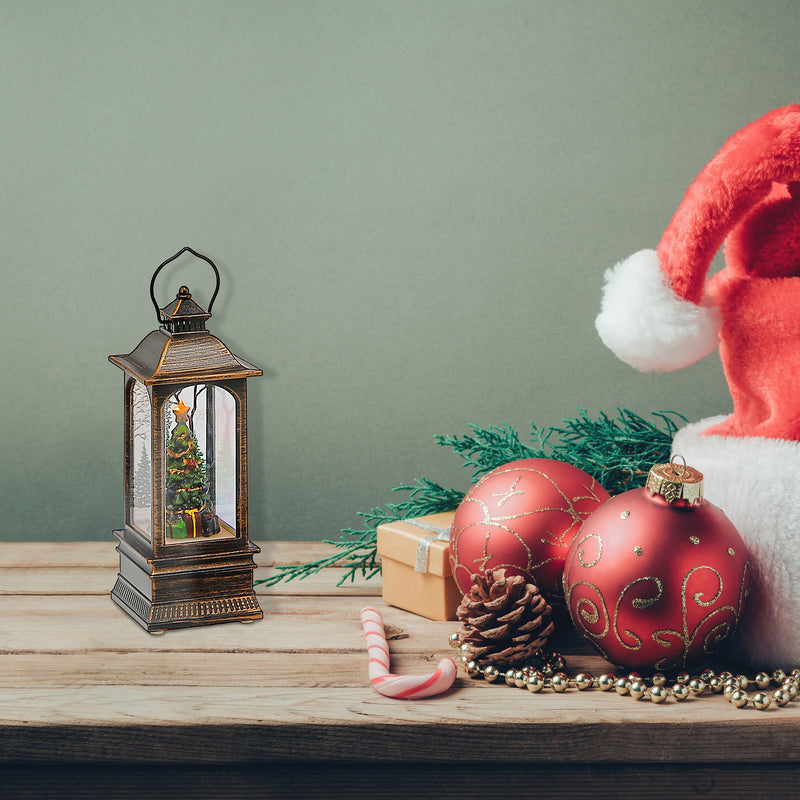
<point>754,481</point>
<point>643,322</point>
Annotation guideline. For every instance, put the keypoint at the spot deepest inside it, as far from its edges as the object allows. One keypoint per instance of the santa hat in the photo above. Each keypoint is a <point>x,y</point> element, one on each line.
<point>659,313</point>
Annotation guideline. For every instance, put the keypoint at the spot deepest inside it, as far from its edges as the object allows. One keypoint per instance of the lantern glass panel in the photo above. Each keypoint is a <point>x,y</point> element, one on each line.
<point>200,464</point>
<point>140,481</point>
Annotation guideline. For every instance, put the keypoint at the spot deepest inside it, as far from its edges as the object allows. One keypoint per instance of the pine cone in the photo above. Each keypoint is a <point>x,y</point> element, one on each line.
<point>504,620</point>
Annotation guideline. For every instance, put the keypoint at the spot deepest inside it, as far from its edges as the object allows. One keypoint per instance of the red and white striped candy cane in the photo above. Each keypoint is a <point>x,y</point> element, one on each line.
<point>406,687</point>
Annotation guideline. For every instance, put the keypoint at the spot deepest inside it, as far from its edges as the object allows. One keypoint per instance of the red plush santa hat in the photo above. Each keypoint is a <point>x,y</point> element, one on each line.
<point>659,313</point>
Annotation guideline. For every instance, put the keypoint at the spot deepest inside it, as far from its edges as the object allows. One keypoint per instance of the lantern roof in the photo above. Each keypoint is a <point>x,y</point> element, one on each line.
<point>182,349</point>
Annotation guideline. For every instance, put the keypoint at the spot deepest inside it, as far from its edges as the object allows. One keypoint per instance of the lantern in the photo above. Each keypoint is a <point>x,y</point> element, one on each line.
<point>184,555</point>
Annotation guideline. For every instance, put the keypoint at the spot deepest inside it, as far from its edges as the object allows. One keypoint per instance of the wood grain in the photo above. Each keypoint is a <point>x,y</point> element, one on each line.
<point>24,555</point>
<point>377,781</point>
<point>82,687</point>
<point>71,580</point>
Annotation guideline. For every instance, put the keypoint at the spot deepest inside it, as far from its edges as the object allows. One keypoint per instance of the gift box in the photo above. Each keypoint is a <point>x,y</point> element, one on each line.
<point>194,525</point>
<point>176,527</point>
<point>415,565</point>
<point>210,523</point>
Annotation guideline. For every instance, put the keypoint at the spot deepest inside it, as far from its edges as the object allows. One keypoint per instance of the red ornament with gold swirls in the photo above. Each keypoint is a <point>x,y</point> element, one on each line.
<point>522,517</point>
<point>659,577</point>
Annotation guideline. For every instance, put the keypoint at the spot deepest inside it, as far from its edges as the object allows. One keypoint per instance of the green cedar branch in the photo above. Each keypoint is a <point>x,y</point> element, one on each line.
<point>357,549</point>
<point>617,452</point>
<point>489,448</point>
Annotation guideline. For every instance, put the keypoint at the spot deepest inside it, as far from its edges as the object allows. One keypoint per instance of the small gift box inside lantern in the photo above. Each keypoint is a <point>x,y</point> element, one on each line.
<point>185,557</point>
<point>415,559</point>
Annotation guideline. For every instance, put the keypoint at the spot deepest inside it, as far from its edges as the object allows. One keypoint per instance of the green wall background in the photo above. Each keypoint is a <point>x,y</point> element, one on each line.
<point>411,203</point>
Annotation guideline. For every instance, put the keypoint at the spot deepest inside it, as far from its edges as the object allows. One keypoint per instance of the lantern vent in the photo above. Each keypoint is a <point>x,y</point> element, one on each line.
<point>183,315</point>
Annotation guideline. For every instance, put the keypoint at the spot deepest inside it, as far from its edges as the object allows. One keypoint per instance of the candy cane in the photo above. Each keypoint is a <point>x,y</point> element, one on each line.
<point>406,687</point>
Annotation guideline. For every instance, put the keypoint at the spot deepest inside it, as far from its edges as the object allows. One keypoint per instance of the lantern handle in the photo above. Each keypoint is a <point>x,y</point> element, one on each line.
<point>172,258</point>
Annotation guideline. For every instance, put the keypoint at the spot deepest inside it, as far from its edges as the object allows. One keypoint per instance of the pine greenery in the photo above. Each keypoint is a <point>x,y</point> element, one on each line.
<point>357,548</point>
<point>616,451</point>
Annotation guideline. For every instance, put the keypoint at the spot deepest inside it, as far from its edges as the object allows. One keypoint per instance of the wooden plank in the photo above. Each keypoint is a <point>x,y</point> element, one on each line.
<point>182,686</point>
<point>374,781</point>
<point>219,724</point>
<point>329,668</point>
<point>50,624</point>
<point>98,580</point>
<point>103,554</point>
<point>260,702</point>
<point>58,554</point>
<point>295,624</point>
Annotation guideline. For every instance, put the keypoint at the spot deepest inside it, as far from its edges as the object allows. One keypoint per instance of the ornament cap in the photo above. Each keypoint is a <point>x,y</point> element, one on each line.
<point>676,482</point>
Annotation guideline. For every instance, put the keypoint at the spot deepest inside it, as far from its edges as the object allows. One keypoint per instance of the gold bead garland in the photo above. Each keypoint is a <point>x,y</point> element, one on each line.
<point>547,673</point>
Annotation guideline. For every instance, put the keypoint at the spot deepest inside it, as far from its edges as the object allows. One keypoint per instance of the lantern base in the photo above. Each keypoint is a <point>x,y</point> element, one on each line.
<point>754,481</point>
<point>185,613</point>
<point>186,592</point>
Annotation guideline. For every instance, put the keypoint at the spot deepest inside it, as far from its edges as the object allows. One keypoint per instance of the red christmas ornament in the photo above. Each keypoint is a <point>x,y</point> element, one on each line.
<point>522,517</point>
<point>659,577</point>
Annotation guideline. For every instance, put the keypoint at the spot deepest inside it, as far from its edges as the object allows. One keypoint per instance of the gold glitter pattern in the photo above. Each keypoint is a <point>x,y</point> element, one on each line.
<point>506,523</point>
<point>641,603</point>
<point>598,541</point>
<point>506,496</point>
<point>586,600</point>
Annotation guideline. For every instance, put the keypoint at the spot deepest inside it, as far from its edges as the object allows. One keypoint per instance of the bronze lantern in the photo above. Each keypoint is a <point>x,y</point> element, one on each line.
<point>184,555</point>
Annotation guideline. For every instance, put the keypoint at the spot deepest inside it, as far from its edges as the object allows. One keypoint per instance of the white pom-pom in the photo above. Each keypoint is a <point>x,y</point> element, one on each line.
<point>644,323</point>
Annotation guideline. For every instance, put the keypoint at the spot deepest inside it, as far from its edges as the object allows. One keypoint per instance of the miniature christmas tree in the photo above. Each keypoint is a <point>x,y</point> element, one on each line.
<point>142,488</point>
<point>186,487</point>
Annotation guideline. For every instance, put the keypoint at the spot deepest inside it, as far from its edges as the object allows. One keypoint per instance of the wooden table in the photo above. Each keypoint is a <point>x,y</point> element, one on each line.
<point>92,706</point>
